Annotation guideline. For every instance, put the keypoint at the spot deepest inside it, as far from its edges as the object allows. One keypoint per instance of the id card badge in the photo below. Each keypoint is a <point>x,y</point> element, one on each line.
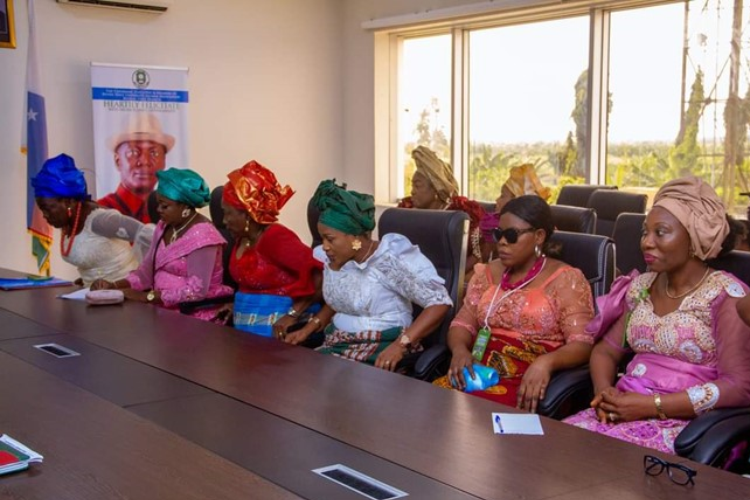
<point>480,345</point>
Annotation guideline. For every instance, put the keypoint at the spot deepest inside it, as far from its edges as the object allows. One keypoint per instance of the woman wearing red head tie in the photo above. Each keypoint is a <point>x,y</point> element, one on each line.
<point>277,277</point>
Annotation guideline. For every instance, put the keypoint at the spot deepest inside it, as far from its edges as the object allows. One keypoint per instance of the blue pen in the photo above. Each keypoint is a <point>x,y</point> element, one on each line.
<point>499,424</point>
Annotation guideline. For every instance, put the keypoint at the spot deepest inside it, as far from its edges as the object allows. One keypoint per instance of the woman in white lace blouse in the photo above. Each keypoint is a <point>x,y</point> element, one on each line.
<point>101,243</point>
<point>369,286</point>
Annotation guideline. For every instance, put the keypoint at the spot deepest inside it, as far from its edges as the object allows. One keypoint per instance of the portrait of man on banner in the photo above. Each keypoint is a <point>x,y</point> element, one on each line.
<point>139,150</point>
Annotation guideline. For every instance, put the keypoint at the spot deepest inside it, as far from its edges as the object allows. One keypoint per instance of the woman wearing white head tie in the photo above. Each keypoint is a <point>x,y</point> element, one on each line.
<point>680,320</point>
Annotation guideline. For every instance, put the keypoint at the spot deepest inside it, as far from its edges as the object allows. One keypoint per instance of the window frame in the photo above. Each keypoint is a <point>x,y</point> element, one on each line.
<point>389,39</point>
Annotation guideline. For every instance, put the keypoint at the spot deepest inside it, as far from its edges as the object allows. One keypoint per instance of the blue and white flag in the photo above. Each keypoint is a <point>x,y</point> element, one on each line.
<point>35,148</point>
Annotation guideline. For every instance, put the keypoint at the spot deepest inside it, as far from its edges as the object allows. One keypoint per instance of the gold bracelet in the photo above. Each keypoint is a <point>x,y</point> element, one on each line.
<point>659,411</point>
<point>293,313</point>
<point>316,320</point>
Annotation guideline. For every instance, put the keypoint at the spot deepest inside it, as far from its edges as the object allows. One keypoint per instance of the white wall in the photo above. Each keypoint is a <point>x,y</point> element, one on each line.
<point>286,82</point>
<point>265,83</point>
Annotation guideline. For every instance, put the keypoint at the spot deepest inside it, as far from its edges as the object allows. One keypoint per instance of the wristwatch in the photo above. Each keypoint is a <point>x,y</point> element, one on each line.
<point>151,296</point>
<point>404,340</point>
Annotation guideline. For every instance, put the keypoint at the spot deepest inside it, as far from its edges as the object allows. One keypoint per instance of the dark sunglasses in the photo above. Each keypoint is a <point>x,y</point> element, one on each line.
<point>678,473</point>
<point>511,234</point>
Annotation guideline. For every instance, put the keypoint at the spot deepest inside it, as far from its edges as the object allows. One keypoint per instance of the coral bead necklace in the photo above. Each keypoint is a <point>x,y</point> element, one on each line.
<point>72,235</point>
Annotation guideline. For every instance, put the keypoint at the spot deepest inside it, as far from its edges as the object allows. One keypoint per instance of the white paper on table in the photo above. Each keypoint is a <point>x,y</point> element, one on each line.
<point>77,295</point>
<point>517,423</point>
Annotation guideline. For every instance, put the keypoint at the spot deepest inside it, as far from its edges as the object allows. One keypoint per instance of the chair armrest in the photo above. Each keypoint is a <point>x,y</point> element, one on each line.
<point>568,392</point>
<point>431,363</point>
<point>696,432</point>
<point>191,307</point>
<point>719,440</point>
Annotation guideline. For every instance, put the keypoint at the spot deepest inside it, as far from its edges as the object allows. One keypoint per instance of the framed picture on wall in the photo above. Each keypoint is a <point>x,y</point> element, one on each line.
<point>7,29</point>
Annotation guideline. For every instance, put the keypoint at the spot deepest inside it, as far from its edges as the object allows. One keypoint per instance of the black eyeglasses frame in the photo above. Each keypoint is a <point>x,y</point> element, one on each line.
<point>653,466</point>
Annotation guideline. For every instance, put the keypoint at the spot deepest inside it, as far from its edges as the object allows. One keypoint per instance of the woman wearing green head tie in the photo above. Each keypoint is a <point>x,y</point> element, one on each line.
<point>184,261</point>
<point>369,286</point>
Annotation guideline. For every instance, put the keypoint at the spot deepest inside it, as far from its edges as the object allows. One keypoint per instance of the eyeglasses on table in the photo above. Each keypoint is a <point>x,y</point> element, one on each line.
<point>678,473</point>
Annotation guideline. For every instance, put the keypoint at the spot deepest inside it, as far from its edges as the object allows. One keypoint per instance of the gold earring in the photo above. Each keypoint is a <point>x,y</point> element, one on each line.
<point>185,213</point>
<point>70,212</point>
<point>537,251</point>
<point>356,244</point>
<point>247,225</point>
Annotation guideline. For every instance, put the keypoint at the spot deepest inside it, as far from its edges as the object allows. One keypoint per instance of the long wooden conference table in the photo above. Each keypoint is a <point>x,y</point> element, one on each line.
<point>249,412</point>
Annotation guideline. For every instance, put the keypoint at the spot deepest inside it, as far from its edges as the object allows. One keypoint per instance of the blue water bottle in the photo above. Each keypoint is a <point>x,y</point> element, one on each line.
<point>484,378</point>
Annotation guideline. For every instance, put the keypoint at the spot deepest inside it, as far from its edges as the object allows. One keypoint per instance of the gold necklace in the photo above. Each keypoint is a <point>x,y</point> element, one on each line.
<point>176,232</point>
<point>666,286</point>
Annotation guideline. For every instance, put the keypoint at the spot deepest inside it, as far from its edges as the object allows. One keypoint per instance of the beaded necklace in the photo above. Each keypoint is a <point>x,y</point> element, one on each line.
<point>72,236</point>
<point>505,283</point>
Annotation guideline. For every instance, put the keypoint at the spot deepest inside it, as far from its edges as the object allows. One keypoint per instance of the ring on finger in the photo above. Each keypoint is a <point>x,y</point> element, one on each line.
<point>611,417</point>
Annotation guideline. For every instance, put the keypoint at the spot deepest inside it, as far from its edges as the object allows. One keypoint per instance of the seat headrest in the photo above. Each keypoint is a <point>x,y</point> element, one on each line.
<point>573,219</point>
<point>214,207</point>
<point>609,204</point>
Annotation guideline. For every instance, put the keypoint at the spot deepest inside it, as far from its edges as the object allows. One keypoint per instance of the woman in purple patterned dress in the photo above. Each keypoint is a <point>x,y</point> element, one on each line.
<point>691,348</point>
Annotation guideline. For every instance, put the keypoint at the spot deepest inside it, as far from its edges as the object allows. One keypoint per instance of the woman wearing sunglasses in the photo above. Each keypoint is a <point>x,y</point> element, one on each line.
<point>691,349</point>
<point>524,313</point>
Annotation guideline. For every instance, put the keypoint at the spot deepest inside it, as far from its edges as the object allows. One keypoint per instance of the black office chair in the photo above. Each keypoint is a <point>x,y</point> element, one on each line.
<point>217,217</point>
<point>627,236</point>
<point>442,236</point>
<point>573,219</point>
<point>313,214</point>
<point>594,255</point>
<point>609,204</point>
<point>151,204</point>
<point>577,195</point>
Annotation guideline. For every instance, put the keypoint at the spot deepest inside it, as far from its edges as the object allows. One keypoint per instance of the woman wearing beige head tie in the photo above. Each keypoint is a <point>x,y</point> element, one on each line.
<point>521,181</point>
<point>434,187</point>
<point>680,320</point>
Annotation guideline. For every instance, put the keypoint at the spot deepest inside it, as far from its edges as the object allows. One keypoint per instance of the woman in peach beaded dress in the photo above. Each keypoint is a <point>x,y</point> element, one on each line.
<point>530,309</point>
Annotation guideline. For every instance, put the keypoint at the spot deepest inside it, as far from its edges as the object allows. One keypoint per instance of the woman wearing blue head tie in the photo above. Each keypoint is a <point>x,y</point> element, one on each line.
<point>96,240</point>
<point>184,263</point>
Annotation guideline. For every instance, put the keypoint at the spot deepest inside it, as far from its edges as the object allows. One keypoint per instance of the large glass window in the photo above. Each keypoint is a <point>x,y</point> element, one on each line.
<point>671,73</point>
<point>526,85</point>
<point>669,96</point>
<point>424,102</point>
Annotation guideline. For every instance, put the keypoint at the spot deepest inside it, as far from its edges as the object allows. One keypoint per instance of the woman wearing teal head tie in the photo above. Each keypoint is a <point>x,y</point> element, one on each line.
<point>369,286</point>
<point>184,262</point>
<point>100,242</point>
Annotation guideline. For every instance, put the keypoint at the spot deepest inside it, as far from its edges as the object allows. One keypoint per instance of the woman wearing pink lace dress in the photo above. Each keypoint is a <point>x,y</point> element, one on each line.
<point>680,319</point>
<point>184,262</point>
